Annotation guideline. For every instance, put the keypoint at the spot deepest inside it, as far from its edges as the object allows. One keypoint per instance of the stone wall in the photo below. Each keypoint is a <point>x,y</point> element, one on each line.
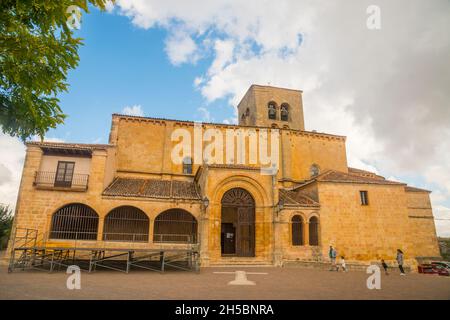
<point>375,231</point>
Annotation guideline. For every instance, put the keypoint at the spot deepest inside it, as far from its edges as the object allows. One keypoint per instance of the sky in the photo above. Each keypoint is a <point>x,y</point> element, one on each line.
<point>386,89</point>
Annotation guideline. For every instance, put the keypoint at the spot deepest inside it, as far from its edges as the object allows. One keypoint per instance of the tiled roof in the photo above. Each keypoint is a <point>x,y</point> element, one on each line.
<point>296,198</point>
<point>414,189</point>
<point>364,173</point>
<point>152,188</point>
<point>342,177</point>
<point>64,145</point>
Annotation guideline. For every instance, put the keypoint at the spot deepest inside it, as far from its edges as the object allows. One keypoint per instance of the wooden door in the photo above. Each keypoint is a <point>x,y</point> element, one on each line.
<point>245,245</point>
<point>228,238</point>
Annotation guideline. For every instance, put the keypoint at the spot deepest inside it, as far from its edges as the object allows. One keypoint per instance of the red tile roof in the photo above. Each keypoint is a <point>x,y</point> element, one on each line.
<point>364,173</point>
<point>152,188</point>
<point>65,145</point>
<point>337,176</point>
<point>296,198</point>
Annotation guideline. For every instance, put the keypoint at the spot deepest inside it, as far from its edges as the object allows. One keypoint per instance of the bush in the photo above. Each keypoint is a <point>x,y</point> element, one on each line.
<point>6,220</point>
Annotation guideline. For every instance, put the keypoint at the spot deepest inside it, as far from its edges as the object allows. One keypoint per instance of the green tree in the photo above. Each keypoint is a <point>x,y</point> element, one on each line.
<point>37,49</point>
<point>6,220</point>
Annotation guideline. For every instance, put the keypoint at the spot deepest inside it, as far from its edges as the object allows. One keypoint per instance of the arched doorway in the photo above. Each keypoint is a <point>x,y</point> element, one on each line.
<point>238,224</point>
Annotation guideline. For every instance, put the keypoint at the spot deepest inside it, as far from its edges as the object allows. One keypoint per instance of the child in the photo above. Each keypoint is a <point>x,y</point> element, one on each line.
<point>385,267</point>
<point>344,267</point>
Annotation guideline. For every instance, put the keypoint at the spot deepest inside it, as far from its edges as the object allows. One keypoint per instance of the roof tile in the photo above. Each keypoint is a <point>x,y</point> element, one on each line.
<point>152,188</point>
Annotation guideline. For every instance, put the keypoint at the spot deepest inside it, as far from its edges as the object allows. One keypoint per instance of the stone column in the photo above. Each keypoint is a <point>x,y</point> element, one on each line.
<point>101,223</point>
<point>204,236</point>
<point>277,236</point>
<point>306,234</point>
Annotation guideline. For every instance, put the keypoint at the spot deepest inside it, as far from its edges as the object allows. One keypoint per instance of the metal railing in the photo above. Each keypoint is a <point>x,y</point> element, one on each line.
<point>174,238</point>
<point>48,179</point>
<point>126,237</point>
<point>72,235</point>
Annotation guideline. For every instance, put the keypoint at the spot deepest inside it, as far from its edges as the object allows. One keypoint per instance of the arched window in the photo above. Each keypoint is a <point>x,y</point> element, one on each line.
<point>126,223</point>
<point>74,221</point>
<point>313,231</point>
<point>314,170</point>
<point>187,165</point>
<point>247,112</point>
<point>297,230</point>
<point>284,112</point>
<point>272,109</point>
<point>175,225</point>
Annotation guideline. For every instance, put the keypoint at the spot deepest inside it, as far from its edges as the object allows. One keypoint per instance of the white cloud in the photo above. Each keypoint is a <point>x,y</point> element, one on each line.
<point>135,110</point>
<point>442,216</point>
<point>11,164</point>
<point>180,48</point>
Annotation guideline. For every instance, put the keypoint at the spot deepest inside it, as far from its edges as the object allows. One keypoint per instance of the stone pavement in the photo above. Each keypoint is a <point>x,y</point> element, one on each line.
<point>278,283</point>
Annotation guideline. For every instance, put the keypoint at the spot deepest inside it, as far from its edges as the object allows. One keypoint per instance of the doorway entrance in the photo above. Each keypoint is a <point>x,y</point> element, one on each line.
<point>238,224</point>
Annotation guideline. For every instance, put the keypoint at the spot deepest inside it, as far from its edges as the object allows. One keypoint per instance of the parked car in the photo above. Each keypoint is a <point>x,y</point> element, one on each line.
<point>445,264</point>
<point>434,268</point>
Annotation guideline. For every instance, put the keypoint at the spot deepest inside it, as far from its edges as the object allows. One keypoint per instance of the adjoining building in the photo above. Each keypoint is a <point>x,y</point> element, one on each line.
<point>131,192</point>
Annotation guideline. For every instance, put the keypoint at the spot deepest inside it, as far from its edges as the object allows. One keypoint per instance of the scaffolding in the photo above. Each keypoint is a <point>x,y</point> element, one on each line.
<point>30,251</point>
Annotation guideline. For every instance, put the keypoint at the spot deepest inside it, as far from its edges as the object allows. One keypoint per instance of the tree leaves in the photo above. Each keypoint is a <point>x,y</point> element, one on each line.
<point>37,49</point>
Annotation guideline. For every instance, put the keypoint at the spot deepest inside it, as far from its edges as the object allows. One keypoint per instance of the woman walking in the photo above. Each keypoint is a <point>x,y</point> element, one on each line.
<point>400,261</point>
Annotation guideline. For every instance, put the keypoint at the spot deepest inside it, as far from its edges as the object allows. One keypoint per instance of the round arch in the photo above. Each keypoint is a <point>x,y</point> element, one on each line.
<point>74,221</point>
<point>126,223</point>
<point>284,111</point>
<point>252,186</point>
<point>175,226</point>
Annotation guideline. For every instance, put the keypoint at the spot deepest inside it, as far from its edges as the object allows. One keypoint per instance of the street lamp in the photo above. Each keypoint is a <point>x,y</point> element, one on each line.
<point>205,202</point>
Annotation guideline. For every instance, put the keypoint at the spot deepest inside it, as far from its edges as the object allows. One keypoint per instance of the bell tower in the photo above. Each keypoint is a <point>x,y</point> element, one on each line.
<point>266,106</point>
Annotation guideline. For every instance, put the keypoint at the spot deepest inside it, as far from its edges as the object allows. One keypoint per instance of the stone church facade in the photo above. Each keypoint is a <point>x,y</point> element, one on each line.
<point>130,193</point>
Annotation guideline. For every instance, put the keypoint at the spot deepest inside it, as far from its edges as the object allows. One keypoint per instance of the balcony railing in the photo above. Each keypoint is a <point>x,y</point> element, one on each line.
<point>47,179</point>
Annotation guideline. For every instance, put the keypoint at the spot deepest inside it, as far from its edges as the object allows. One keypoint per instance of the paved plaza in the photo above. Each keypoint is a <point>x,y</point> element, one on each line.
<point>213,283</point>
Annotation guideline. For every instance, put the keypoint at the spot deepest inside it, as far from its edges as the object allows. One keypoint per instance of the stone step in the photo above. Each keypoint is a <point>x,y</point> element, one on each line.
<point>230,262</point>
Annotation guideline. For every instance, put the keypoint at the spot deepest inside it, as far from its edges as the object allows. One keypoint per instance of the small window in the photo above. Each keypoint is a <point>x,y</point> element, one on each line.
<point>297,230</point>
<point>313,231</point>
<point>272,111</point>
<point>64,174</point>
<point>364,198</point>
<point>187,165</point>
<point>284,112</point>
<point>314,170</point>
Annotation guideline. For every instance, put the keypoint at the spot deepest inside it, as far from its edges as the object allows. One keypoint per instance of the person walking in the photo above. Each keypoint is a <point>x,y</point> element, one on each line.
<point>385,267</point>
<point>343,265</point>
<point>400,261</point>
<point>332,254</point>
